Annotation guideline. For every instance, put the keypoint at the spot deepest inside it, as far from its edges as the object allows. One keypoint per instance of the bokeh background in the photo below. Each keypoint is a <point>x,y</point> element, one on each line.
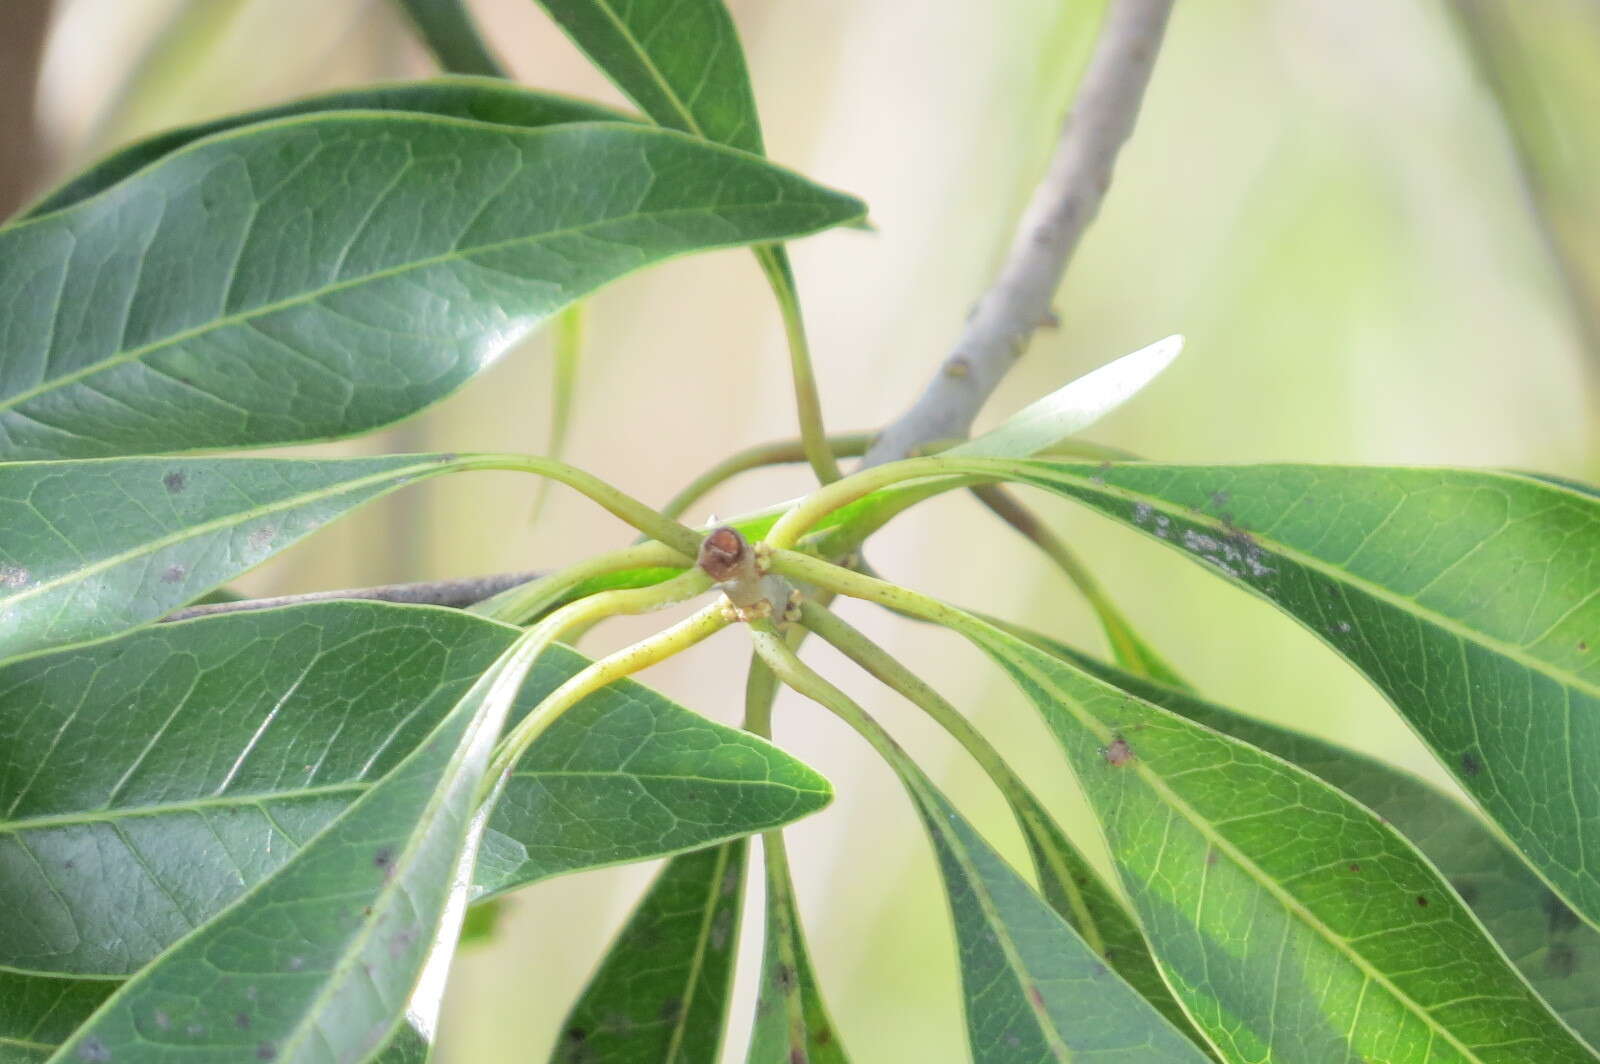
<point>1376,221</point>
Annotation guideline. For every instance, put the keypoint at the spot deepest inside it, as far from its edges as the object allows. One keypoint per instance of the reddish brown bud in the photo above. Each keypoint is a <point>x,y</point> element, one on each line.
<point>723,554</point>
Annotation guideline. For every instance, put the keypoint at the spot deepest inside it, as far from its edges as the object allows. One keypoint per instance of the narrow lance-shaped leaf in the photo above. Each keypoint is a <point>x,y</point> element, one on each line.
<point>315,964</point>
<point>93,548</point>
<point>447,29</point>
<point>1471,599</point>
<point>148,781</point>
<point>792,1023</point>
<point>478,99</point>
<point>1293,923</point>
<point>323,275</point>
<point>1556,952</point>
<point>660,995</point>
<point>1076,892</point>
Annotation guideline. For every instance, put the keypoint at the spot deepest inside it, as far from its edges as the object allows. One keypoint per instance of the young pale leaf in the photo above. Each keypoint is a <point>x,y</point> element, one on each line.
<point>446,27</point>
<point>93,548</point>
<point>323,275</point>
<point>1076,892</point>
<point>1556,952</point>
<point>316,963</point>
<point>1471,599</point>
<point>792,1023</point>
<point>1293,923</point>
<point>38,1013</point>
<point>477,99</point>
<point>679,60</point>
<point>660,995</point>
<point>148,781</point>
<point>1072,408</point>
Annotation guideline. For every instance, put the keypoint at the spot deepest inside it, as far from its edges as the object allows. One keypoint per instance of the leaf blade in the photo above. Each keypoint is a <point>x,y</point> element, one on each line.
<point>353,269</point>
<point>275,721</point>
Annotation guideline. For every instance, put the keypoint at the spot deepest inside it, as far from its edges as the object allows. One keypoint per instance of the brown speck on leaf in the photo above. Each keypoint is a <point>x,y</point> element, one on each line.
<point>384,860</point>
<point>1354,867</point>
<point>1119,753</point>
<point>1471,765</point>
<point>1558,918</point>
<point>242,1021</point>
<point>785,978</point>
<point>266,1051</point>
<point>175,481</point>
<point>1098,969</point>
<point>822,1035</point>
<point>576,1034</point>
<point>671,1008</point>
<point>722,552</point>
<point>797,1055</point>
<point>1036,996</point>
<point>1211,858</point>
<point>1422,901</point>
<point>1583,645</point>
<point>174,573</point>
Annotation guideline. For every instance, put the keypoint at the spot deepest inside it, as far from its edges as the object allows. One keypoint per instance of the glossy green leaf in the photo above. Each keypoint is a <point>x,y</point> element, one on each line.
<point>1471,599</point>
<point>477,99</point>
<point>323,275</point>
<point>149,780</point>
<point>792,1023</point>
<point>1078,895</point>
<point>660,995</point>
<point>37,1013</point>
<point>1293,923</point>
<point>96,547</point>
<point>1034,989</point>
<point>1073,407</point>
<point>447,29</point>
<point>679,60</point>
<point>1556,952</point>
<point>316,963</point>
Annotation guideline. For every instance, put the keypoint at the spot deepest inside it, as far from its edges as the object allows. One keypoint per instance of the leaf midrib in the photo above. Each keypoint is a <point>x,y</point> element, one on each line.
<point>227,521</point>
<point>1334,573</point>
<point>697,963</point>
<point>356,787</point>
<point>312,295</point>
<point>689,123</point>
<point>1200,824</point>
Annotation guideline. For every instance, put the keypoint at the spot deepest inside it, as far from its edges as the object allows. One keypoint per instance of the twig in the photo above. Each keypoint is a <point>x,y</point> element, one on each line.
<point>1066,201</point>
<point>458,593</point>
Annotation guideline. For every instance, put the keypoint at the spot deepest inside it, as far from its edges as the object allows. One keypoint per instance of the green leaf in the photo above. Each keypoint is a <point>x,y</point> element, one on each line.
<point>1034,990</point>
<point>1470,599</point>
<point>477,99</point>
<point>38,1013</point>
<point>147,781</point>
<point>93,548</point>
<point>1078,895</point>
<point>679,60</point>
<point>1293,923</point>
<point>792,1023</point>
<point>660,995</point>
<point>1555,951</point>
<point>448,30</point>
<point>320,276</point>
<point>317,962</point>
<point>1072,408</point>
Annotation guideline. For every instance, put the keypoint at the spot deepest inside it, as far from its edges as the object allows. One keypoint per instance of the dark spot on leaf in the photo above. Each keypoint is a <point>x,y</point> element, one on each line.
<point>1220,498</point>
<point>1559,918</point>
<point>1035,996</point>
<point>384,859</point>
<point>175,481</point>
<point>1470,765</point>
<point>69,864</point>
<point>785,977</point>
<point>266,1051</point>
<point>1211,857</point>
<point>1118,753</point>
<point>94,1050</point>
<point>1422,901</point>
<point>730,881</point>
<point>1098,969</point>
<point>720,929</point>
<point>242,1021</point>
<point>1561,961</point>
<point>797,1055</point>
<point>822,1036</point>
<point>1583,646</point>
<point>174,573</point>
<point>1354,867</point>
<point>576,1034</point>
<point>1468,892</point>
<point>671,1008</point>
<point>366,910</point>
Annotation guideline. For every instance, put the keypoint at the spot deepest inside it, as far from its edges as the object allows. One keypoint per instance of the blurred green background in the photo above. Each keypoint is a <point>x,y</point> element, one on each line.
<point>1377,223</point>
